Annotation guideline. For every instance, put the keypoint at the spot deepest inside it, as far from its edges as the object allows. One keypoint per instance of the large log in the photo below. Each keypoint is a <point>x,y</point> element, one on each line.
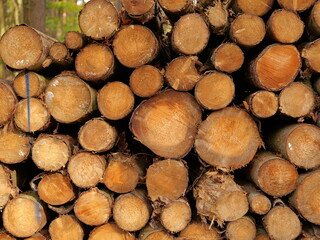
<point>296,5</point>
<point>110,231</point>
<point>256,7</point>
<point>310,53</point>
<point>241,229</point>
<point>66,227</point>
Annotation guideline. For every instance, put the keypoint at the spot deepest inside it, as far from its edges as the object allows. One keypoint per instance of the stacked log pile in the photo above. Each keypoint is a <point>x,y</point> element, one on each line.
<point>163,120</point>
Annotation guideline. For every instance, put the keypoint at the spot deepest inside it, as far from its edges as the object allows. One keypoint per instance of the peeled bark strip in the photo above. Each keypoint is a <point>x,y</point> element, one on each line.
<point>60,54</point>
<point>259,203</point>
<point>154,233</point>
<point>69,99</point>
<point>52,152</point>
<point>228,139</point>
<point>74,40</point>
<point>199,231</point>
<point>38,117</point>
<point>132,211</point>
<point>182,73</point>
<point>123,172</point>
<point>310,53</point>
<point>140,10</point>
<point>215,90</point>
<point>247,30</point>
<point>8,101</point>
<point>314,20</point>
<point>282,223</point>
<point>66,227</point>
<point>167,179</point>
<point>135,45</point>
<point>285,26</point>
<point>8,188</point>
<point>175,215</point>
<point>299,143</point>
<point>256,7</point>
<point>86,169</point>
<point>273,175</point>
<point>263,104</point>
<point>275,67</point>
<point>23,47</point>
<point>146,81</point>
<point>227,57</point>
<point>241,229</point>
<point>305,198</point>
<point>97,135</point>
<point>219,198</point>
<point>24,215</point>
<point>190,34</point>
<point>115,100</point>
<point>110,231</point>
<point>217,15</point>
<point>99,19</point>
<point>177,7</point>
<point>95,63</point>
<point>37,84</point>
<point>93,207</point>
<point>297,100</point>
<point>14,145</point>
<point>55,189</point>
<point>296,5</point>
<point>167,123</point>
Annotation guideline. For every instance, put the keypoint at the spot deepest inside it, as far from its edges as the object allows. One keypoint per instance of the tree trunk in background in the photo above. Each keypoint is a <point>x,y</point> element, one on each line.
<point>34,14</point>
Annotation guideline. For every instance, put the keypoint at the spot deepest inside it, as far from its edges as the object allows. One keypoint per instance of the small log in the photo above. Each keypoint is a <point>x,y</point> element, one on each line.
<point>285,26</point>
<point>298,5</point>
<point>66,227</point>
<point>140,10</point>
<point>14,145</point>
<point>99,19</point>
<point>176,8</point>
<point>55,189</point>
<point>259,203</point>
<point>31,115</point>
<point>24,215</point>
<point>154,233</point>
<point>299,143</point>
<point>59,53</point>
<point>97,135</point>
<point>228,139</point>
<point>256,7</point>
<point>282,223</point>
<point>37,84</point>
<point>69,99</point>
<point>52,152</point>
<point>86,169</point>
<point>182,73</point>
<point>273,175</point>
<point>23,47</point>
<point>304,199</point>
<point>190,34</point>
<point>219,198</point>
<point>123,172</point>
<point>167,123</point>
<point>227,57</point>
<point>95,63</point>
<point>217,15</point>
<point>175,215</point>
<point>146,81</point>
<point>110,231</point>
<point>135,45</point>
<point>8,186</point>
<point>131,211</point>
<point>74,40</point>
<point>241,229</point>
<point>8,101</point>
<point>199,230</point>
<point>115,100</point>
<point>247,30</point>
<point>215,90</point>
<point>297,100</point>
<point>275,67</point>
<point>263,104</point>
<point>313,23</point>
<point>310,54</point>
<point>93,207</point>
<point>167,179</point>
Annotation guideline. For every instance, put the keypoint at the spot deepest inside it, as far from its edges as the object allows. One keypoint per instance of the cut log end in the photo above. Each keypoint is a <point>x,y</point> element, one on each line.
<point>146,81</point>
<point>311,55</point>
<point>99,19</point>
<point>217,16</point>
<point>215,90</point>
<point>159,236</point>
<point>66,227</point>
<point>298,6</point>
<point>140,10</point>
<point>241,229</point>
<point>58,51</point>
<point>74,40</point>
<point>6,236</point>
<point>110,231</point>
<point>263,104</point>
<point>37,84</point>
<point>8,188</point>
<point>314,20</point>
<point>175,7</point>
<point>8,102</point>
<point>259,8</point>
<point>197,230</point>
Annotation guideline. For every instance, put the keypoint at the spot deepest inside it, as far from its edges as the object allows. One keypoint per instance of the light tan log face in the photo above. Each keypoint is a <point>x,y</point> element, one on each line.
<point>110,231</point>
<point>241,229</point>
<point>37,84</point>
<point>8,101</point>
<point>257,7</point>
<point>66,227</point>
<point>199,231</point>
<point>296,5</point>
